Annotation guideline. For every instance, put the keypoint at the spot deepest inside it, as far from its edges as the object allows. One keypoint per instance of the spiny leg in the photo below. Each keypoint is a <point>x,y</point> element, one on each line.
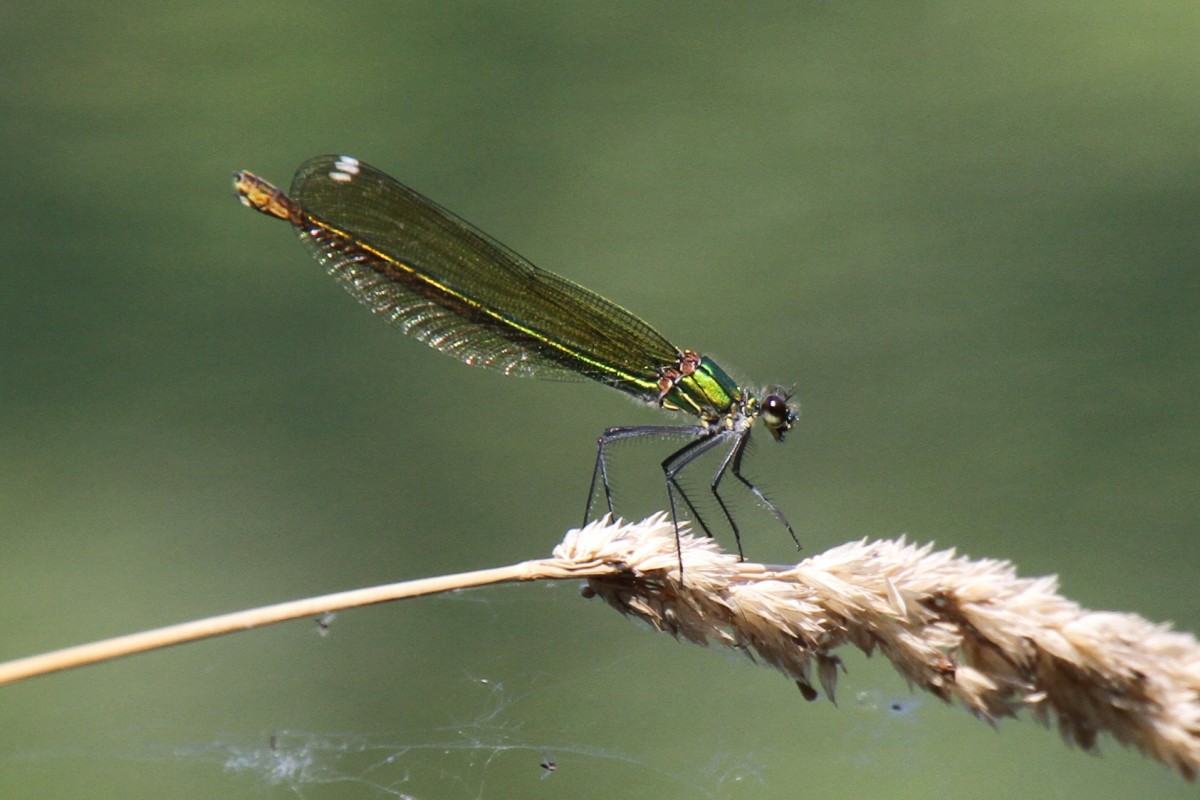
<point>733,461</point>
<point>675,463</point>
<point>672,466</point>
<point>733,456</point>
<point>610,435</point>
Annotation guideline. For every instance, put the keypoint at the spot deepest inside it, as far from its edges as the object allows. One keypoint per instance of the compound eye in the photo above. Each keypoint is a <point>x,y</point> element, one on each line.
<point>777,414</point>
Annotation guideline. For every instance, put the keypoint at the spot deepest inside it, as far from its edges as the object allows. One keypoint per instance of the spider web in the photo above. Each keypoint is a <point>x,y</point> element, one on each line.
<point>487,756</point>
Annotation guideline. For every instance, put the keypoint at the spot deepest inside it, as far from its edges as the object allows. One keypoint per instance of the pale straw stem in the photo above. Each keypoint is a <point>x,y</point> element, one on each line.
<point>966,631</point>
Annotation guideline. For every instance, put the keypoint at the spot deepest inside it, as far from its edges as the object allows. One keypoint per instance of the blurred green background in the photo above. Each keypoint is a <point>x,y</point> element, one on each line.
<point>965,233</point>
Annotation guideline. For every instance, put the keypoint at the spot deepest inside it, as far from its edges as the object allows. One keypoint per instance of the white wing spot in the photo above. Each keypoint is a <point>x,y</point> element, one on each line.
<point>344,169</point>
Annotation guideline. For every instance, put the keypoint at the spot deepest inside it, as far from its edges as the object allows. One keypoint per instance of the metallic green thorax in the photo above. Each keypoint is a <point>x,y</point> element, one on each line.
<point>708,392</point>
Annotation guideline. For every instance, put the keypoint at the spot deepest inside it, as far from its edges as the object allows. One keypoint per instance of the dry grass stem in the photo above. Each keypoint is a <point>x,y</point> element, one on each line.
<point>308,608</point>
<point>961,629</point>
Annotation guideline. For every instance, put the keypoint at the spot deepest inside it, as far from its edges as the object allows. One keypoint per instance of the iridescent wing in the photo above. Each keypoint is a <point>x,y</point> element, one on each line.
<point>443,281</point>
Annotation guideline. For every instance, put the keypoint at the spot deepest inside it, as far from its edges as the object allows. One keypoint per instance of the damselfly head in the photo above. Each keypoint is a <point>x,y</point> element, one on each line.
<point>777,413</point>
